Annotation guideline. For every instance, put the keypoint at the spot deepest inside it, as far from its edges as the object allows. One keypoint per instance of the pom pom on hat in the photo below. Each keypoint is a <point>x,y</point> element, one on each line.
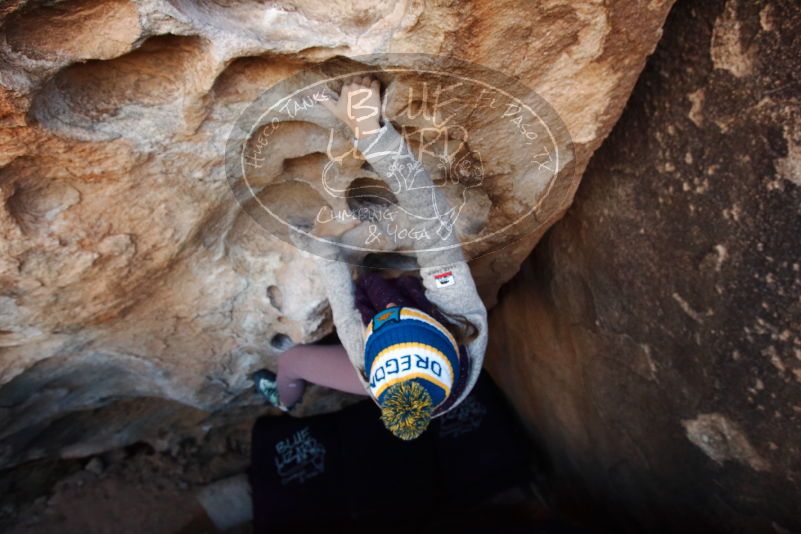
<point>406,410</point>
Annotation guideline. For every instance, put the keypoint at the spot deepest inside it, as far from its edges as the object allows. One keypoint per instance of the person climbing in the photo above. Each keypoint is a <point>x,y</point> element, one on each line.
<point>414,344</point>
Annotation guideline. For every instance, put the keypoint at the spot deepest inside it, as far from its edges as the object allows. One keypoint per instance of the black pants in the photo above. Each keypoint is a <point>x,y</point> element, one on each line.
<point>345,470</point>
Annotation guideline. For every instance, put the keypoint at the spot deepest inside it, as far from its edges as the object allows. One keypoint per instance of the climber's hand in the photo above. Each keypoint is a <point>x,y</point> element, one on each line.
<point>358,106</point>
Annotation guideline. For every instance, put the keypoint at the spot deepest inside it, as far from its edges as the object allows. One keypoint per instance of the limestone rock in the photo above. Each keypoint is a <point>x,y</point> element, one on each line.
<point>135,295</point>
<point>653,341</point>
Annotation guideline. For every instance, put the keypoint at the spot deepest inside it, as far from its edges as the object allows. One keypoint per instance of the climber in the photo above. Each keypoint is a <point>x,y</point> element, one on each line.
<point>415,344</point>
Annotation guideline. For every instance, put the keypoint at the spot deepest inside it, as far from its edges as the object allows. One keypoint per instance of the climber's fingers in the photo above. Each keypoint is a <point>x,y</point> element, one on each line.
<point>351,84</point>
<point>332,102</point>
<point>358,82</point>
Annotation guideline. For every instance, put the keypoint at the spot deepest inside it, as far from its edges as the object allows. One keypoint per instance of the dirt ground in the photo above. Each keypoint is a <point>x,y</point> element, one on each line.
<point>133,490</point>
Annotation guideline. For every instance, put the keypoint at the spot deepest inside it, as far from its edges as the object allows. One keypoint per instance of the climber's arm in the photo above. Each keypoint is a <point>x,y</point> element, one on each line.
<point>435,243</point>
<point>338,282</point>
<point>432,231</point>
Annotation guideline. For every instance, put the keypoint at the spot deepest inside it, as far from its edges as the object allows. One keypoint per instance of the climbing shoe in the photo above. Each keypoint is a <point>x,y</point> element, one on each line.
<point>266,384</point>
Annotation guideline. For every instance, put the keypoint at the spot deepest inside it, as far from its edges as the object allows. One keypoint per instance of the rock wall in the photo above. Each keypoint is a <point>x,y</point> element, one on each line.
<point>653,340</point>
<point>127,271</point>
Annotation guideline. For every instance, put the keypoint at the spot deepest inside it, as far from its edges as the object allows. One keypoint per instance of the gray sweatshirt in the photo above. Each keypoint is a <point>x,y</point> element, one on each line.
<point>437,255</point>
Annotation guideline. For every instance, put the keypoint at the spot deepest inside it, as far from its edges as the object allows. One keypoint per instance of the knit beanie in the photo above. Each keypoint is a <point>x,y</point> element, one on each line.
<point>413,363</point>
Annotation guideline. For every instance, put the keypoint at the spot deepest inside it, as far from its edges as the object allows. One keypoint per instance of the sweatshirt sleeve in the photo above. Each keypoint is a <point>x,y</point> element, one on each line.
<point>391,157</point>
<point>338,282</point>
<point>446,276</point>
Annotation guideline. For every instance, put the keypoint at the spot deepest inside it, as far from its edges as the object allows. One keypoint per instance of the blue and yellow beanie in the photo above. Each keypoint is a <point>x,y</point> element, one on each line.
<point>413,363</point>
